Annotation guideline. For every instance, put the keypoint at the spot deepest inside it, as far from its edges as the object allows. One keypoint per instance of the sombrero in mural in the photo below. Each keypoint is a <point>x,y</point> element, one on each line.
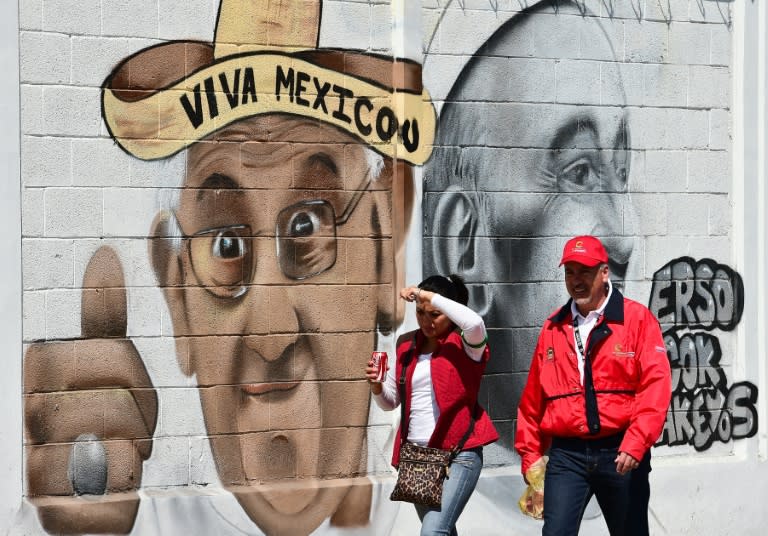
<point>265,59</point>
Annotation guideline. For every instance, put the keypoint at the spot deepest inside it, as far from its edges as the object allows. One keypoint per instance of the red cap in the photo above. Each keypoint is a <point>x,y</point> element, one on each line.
<point>586,250</point>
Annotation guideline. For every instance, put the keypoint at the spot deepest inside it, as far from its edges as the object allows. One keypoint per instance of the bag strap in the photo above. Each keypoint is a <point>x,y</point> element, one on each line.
<point>468,433</point>
<point>401,389</point>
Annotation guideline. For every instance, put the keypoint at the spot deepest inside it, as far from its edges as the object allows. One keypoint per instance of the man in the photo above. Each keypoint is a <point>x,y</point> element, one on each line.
<point>293,204</point>
<point>596,397</point>
<point>529,148</point>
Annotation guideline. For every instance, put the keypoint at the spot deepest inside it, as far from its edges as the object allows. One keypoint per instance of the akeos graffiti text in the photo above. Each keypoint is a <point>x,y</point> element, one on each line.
<point>691,298</point>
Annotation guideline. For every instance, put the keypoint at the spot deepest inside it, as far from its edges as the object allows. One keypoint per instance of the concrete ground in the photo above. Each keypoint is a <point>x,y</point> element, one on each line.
<point>492,511</point>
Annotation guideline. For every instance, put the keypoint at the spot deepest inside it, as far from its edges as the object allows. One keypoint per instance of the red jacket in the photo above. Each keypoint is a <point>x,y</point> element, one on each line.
<point>455,382</point>
<point>631,375</point>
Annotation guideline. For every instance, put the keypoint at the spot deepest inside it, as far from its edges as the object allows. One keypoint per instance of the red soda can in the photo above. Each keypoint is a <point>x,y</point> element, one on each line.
<point>380,362</point>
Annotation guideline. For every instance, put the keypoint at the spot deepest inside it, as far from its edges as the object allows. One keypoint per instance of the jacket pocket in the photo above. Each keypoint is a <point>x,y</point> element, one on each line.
<point>559,375</point>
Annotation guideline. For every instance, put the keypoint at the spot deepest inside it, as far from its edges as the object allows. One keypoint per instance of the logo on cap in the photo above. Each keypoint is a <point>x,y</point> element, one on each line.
<point>586,250</point>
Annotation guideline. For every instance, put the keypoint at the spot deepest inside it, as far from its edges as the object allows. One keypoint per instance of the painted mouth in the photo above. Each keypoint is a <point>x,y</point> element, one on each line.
<point>278,377</point>
<point>256,389</point>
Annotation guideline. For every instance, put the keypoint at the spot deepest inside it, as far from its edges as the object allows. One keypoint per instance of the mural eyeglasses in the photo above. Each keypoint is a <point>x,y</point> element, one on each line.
<point>224,261</point>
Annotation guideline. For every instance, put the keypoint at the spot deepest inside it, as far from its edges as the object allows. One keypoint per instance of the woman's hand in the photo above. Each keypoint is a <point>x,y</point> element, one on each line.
<point>371,372</point>
<point>417,295</point>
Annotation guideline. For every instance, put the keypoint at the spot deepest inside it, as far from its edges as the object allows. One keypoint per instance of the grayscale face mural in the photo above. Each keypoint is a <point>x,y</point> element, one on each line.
<point>522,163</point>
<point>536,143</point>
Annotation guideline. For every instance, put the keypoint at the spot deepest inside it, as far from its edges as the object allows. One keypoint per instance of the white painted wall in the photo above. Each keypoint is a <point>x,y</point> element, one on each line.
<point>11,468</point>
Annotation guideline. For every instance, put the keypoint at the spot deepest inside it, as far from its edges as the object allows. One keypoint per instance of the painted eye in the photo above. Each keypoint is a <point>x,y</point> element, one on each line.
<point>575,175</point>
<point>222,259</point>
<point>302,224</point>
<point>621,174</point>
<point>306,238</point>
<point>228,245</point>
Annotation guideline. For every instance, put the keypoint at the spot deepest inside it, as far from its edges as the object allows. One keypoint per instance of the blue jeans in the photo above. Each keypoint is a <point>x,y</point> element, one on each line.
<point>457,488</point>
<point>576,470</point>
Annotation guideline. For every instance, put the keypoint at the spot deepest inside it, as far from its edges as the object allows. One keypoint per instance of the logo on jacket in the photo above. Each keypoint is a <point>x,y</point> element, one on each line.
<point>618,351</point>
<point>550,353</point>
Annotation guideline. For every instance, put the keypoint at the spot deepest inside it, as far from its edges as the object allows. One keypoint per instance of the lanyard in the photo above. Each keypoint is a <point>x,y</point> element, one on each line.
<point>578,338</point>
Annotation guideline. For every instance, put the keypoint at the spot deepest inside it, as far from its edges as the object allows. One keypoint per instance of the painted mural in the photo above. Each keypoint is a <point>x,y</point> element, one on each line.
<point>538,139</point>
<point>293,203</point>
<point>515,172</point>
<point>197,366</point>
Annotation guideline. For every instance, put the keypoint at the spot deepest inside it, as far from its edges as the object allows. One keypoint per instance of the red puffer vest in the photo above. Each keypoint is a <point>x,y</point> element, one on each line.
<point>455,381</point>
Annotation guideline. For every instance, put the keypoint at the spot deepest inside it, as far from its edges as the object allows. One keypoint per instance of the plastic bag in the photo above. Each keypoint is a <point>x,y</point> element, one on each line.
<point>531,502</point>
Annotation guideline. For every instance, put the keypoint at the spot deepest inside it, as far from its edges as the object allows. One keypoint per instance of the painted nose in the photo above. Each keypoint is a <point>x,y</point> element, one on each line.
<point>619,249</point>
<point>619,226</point>
<point>619,252</point>
<point>274,326</point>
<point>272,348</point>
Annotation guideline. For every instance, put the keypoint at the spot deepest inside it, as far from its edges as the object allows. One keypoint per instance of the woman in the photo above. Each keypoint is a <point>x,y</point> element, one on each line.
<point>444,359</point>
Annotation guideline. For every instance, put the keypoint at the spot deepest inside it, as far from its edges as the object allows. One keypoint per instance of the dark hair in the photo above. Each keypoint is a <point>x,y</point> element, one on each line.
<point>452,287</point>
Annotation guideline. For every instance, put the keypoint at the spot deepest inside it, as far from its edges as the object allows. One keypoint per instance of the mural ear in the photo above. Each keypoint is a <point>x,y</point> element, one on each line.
<point>453,228</point>
<point>456,230</point>
<point>165,255</point>
<point>165,249</point>
<point>398,178</point>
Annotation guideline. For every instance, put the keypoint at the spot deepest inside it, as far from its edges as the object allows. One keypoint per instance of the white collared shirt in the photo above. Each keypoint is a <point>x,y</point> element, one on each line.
<point>585,326</point>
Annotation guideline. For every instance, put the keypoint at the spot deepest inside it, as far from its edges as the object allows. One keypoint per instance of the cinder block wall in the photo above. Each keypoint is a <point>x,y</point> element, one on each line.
<point>552,119</point>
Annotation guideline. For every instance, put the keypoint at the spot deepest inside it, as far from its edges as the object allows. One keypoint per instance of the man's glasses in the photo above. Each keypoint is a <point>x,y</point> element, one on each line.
<point>223,258</point>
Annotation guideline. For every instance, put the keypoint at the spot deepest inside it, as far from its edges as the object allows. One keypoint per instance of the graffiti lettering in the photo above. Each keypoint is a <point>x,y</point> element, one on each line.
<point>364,128</point>
<point>292,82</point>
<point>393,121</point>
<point>690,295</point>
<point>343,93</point>
<point>694,359</point>
<point>231,91</point>
<point>321,92</point>
<point>700,294</point>
<point>711,414</point>
<point>232,95</point>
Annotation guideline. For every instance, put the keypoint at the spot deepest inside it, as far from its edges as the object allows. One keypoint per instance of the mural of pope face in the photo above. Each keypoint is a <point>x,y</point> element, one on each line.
<point>272,238</point>
<point>521,162</point>
<point>283,215</point>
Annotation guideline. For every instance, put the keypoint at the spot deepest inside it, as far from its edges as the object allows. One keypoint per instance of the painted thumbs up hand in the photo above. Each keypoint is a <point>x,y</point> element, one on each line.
<point>90,413</point>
